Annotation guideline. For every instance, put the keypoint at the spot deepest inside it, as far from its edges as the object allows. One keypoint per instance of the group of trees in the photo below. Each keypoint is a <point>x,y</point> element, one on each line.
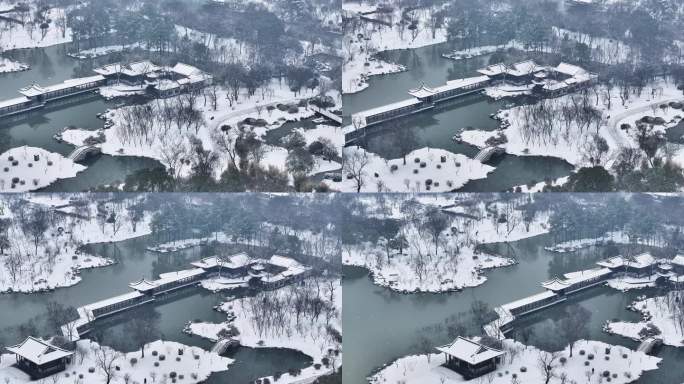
<point>273,224</point>
<point>35,237</point>
<point>641,32</point>
<point>645,223</point>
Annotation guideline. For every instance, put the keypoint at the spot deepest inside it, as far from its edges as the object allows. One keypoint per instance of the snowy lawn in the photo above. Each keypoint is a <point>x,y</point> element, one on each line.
<point>570,141</point>
<point>456,264</point>
<point>13,36</point>
<point>30,168</point>
<point>170,146</point>
<point>56,260</point>
<point>360,62</point>
<point>426,170</point>
<point>260,325</point>
<point>623,366</point>
<point>193,364</point>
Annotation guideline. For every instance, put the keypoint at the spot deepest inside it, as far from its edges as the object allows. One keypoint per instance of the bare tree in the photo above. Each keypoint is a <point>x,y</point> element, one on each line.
<point>105,359</point>
<point>354,166</point>
<point>547,363</point>
<point>574,325</point>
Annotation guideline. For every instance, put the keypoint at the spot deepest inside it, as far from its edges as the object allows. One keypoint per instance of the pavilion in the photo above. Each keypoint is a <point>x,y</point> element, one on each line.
<point>470,358</point>
<point>39,359</point>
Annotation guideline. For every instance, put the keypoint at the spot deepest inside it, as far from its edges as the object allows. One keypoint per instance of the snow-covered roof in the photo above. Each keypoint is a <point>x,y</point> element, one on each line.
<point>32,90</point>
<point>573,278</point>
<point>171,277</point>
<point>237,260</point>
<point>569,69</point>
<point>612,262</point>
<point>113,300</point>
<point>587,274</point>
<point>528,300</point>
<point>36,90</point>
<point>186,70</point>
<point>132,69</point>
<point>678,260</point>
<point>524,68</point>
<point>494,69</point>
<point>389,107</point>
<point>283,261</point>
<point>642,260</point>
<point>143,285</point>
<point>38,351</point>
<point>639,261</point>
<point>461,83</point>
<point>14,101</point>
<point>470,351</point>
<point>140,68</point>
<point>421,92</point>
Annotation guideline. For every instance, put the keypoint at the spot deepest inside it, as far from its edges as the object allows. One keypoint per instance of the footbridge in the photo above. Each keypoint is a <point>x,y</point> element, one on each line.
<point>487,153</point>
<point>327,114</point>
<point>649,345</point>
<point>83,152</point>
<point>223,345</point>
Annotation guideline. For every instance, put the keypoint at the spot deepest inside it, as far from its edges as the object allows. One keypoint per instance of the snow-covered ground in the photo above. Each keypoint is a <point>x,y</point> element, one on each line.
<point>7,65</point>
<point>102,51</point>
<point>31,168</point>
<point>603,50</point>
<point>56,259</point>
<point>623,366</point>
<point>445,171</point>
<point>570,140</point>
<point>625,283</point>
<point>360,62</point>
<point>662,312</point>
<point>15,36</point>
<point>268,320</point>
<point>617,237</point>
<point>193,365</point>
<point>456,264</point>
<point>169,145</point>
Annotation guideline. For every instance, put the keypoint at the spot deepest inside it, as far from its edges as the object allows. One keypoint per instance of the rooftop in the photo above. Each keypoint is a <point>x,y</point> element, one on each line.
<point>528,300</point>
<point>235,261</point>
<point>573,278</point>
<point>639,261</point>
<point>389,107</point>
<point>38,351</point>
<point>14,101</point>
<point>470,351</point>
<point>113,300</point>
<point>143,285</point>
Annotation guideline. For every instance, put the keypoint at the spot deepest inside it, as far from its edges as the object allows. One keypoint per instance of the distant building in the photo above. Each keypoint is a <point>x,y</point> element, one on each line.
<point>678,264</point>
<point>546,80</point>
<point>134,73</point>
<point>39,359</point>
<point>470,358</point>
<point>640,265</point>
<point>161,81</point>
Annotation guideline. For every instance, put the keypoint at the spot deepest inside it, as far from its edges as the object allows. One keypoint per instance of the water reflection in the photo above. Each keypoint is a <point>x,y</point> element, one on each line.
<point>436,128</point>
<point>50,66</point>
<point>382,325</point>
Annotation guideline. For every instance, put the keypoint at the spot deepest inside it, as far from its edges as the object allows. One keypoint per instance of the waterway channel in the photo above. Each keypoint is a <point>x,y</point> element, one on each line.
<point>382,325</point>
<point>436,128</point>
<point>133,263</point>
<point>50,66</point>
